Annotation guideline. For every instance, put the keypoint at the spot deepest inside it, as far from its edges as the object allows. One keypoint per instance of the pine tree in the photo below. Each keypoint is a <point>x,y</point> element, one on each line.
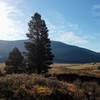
<point>39,55</point>
<point>14,61</point>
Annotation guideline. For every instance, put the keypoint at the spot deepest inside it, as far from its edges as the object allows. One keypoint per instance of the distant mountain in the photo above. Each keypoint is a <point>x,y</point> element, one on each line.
<point>72,54</point>
<point>63,53</point>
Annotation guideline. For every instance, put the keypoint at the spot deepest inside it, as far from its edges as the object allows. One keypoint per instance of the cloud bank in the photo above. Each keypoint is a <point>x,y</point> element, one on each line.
<point>64,31</point>
<point>10,27</point>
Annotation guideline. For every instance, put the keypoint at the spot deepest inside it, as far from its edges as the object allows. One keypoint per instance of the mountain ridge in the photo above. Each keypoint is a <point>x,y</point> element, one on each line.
<point>64,53</point>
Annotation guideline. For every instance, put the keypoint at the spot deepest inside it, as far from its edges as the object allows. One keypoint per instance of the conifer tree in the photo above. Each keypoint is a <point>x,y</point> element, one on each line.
<point>39,55</point>
<point>14,61</point>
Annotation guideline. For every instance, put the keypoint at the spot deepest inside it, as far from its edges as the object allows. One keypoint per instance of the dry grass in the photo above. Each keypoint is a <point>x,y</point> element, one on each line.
<point>77,66</point>
<point>37,86</point>
<point>91,69</point>
<point>2,66</point>
<point>34,86</point>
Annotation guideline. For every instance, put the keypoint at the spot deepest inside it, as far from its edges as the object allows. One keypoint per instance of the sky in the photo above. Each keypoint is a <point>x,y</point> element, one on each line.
<point>74,22</point>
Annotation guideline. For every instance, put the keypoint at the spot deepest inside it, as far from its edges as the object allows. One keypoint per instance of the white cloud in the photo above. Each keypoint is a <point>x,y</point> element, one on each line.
<point>61,30</point>
<point>61,34</point>
<point>96,10</point>
<point>97,6</point>
<point>71,37</point>
<point>10,27</point>
<point>73,26</point>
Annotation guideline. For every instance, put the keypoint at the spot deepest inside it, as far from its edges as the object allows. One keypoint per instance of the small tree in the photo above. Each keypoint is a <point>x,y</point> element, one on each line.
<point>14,61</point>
<point>39,53</point>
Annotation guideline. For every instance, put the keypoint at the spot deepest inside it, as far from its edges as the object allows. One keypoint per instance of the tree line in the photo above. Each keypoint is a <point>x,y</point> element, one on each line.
<point>38,55</point>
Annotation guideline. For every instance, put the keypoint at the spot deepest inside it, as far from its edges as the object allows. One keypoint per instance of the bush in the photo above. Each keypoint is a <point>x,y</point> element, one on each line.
<point>36,87</point>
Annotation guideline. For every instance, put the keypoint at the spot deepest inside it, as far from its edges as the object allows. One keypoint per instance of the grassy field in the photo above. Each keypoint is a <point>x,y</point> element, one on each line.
<point>92,69</point>
<point>69,86</point>
<point>37,87</point>
<point>2,66</point>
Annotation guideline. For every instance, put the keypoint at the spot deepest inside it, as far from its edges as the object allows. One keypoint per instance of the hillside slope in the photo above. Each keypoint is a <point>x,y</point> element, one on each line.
<point>63,53</point>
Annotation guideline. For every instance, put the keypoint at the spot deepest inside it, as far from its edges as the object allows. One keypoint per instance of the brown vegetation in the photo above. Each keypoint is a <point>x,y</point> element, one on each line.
<point>35,87</point>
<point>74,84</point>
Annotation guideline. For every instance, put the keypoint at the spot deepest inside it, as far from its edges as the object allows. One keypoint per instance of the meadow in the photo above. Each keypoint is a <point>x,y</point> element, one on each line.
<point>63,81</point>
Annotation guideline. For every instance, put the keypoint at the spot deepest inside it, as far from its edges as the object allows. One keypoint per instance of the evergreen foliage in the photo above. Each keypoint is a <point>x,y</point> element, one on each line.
<point>39,55</point>
<point>14,61</point>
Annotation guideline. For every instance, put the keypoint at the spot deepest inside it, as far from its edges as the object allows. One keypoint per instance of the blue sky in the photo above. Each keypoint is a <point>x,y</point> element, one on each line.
<point>74,22</point>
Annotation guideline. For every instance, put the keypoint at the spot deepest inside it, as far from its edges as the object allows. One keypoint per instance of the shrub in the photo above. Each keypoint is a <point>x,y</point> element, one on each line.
<point>36,87</point>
